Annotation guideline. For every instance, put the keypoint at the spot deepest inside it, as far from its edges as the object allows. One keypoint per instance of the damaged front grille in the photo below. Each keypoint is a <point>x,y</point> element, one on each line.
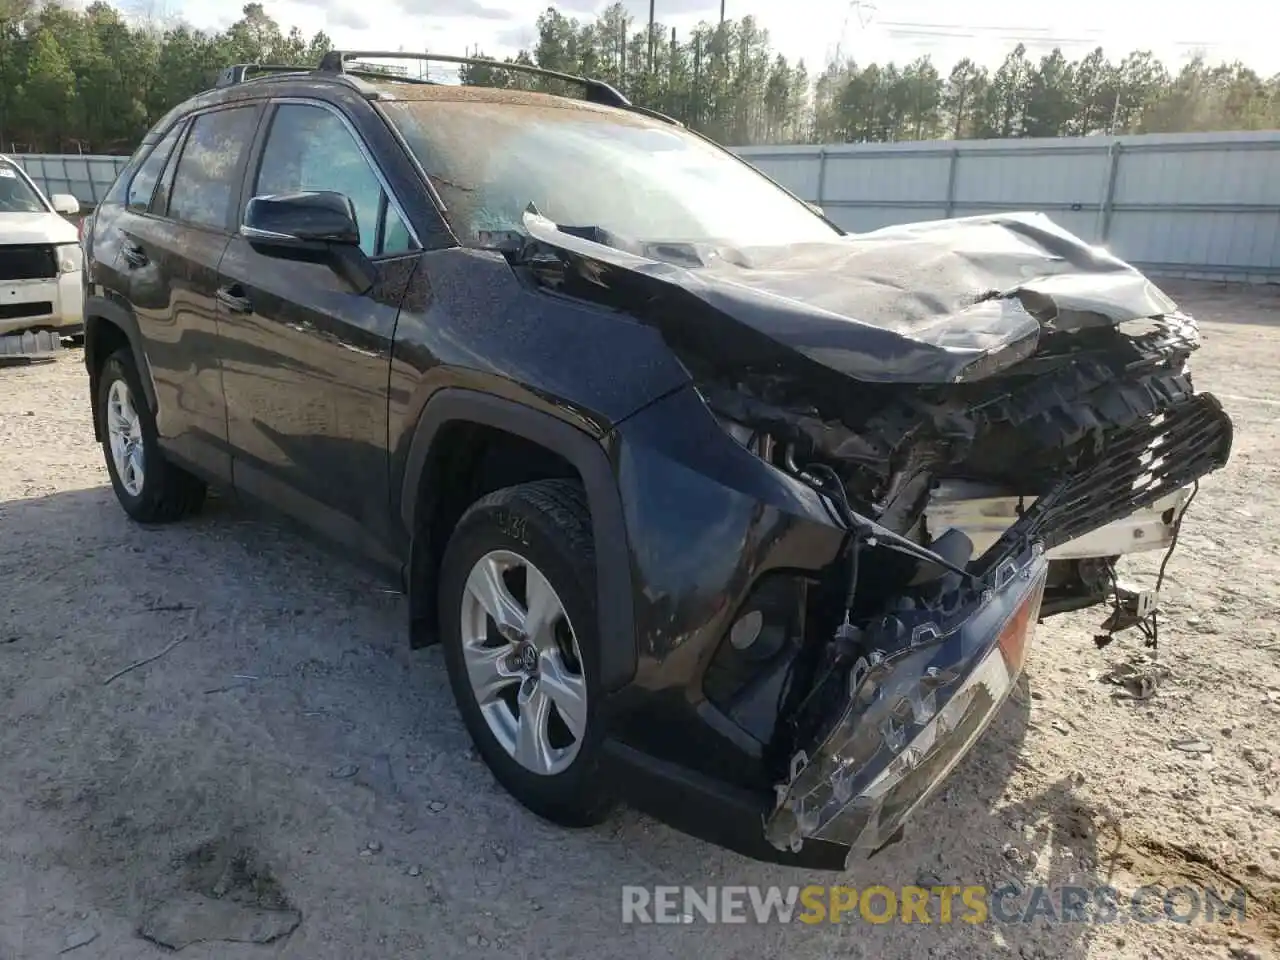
<point>1138,466</point>
<point>1050,410</point>
<point>1063,406</point>
<point>1024,431</point>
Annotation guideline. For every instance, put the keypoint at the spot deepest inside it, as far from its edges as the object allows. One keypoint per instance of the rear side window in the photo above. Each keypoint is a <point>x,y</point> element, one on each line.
<point>143,184</point>
<point>205,181</point>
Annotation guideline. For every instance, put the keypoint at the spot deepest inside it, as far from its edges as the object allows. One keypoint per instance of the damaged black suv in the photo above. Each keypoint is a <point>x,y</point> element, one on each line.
<point>650,443</point>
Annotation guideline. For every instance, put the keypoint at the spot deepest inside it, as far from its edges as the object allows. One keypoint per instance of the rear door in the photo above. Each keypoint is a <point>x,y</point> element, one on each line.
<point>306,359</point>
<point>181,212</point>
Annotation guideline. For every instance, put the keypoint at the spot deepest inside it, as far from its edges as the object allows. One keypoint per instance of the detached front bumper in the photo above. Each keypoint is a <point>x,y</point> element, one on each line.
<point>910,717</point>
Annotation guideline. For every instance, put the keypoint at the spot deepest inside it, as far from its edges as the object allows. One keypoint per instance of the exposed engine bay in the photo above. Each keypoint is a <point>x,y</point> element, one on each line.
<point>998,352</point>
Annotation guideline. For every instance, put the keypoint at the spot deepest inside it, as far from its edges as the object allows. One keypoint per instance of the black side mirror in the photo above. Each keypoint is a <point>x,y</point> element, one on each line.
<point>317,225</point>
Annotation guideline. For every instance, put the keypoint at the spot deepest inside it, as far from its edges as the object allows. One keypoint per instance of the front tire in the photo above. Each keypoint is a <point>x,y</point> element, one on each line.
<point>149,487</point>
<point>518,624</point>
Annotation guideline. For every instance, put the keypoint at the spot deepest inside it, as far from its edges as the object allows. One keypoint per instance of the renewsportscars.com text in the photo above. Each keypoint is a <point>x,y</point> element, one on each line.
<point>971,904</point>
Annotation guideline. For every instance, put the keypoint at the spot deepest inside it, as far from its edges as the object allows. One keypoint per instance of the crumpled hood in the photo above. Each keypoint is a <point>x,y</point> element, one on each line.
<point>936,302</point>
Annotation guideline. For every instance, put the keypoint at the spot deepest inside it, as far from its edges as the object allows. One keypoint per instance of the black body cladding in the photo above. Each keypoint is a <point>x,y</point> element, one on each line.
<point>350,361</point>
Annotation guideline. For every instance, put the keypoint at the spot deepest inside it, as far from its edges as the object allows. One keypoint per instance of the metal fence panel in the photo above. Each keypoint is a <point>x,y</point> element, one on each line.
<point>86,177</point>
<point>887,178</point>
<point>1186,204</point>
<point>1014,180</point>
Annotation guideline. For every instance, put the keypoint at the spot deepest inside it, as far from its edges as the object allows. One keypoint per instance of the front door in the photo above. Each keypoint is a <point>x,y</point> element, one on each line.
<point>305,359</point>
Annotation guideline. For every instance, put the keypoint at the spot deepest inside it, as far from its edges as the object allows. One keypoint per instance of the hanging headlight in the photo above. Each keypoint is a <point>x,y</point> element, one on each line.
<point>908,720</point>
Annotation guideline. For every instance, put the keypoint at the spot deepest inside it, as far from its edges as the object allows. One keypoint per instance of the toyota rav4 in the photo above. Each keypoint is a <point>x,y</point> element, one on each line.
<point>715,508</point>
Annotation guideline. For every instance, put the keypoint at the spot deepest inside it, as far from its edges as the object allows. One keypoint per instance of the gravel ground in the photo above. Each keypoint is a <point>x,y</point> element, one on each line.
<point>292,728</point>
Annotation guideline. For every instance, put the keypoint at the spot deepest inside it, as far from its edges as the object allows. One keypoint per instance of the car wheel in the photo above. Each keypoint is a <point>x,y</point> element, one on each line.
<point>150,489</point>
<point>518,623</point>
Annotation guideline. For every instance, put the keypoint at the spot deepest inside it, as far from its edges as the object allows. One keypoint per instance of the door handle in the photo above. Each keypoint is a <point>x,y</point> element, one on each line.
<point>233,298</point>
<point>134,255</point>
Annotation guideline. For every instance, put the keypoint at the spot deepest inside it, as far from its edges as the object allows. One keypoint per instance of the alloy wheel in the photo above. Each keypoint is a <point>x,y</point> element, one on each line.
<point>124,435</point>
<point>523,662</point>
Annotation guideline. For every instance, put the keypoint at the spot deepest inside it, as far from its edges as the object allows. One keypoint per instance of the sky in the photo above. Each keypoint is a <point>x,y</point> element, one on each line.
<point>867,30</point>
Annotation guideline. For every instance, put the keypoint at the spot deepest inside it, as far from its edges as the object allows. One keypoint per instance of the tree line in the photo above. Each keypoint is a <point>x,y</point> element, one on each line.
<point>93,80</point>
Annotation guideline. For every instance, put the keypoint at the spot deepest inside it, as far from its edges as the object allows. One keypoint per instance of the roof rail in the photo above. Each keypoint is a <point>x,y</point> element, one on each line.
<point>654,114</point>
<point>241,72</point>
<point>597,91</point>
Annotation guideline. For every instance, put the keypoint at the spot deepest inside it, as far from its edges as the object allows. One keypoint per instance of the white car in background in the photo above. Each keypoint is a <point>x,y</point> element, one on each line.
<point>41,260</point>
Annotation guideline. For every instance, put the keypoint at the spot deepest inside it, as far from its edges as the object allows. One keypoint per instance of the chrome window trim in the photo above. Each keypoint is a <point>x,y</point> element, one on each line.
<point>392,199</point>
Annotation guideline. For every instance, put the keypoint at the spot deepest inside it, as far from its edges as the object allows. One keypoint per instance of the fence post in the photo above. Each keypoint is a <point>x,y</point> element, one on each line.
<point>822,175</point>
<point>1108,201</point>
<point>951,180</point>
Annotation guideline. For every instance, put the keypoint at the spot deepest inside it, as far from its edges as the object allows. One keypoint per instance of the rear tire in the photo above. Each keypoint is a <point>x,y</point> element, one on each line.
<point>528,686</point>
<point>149,487</point>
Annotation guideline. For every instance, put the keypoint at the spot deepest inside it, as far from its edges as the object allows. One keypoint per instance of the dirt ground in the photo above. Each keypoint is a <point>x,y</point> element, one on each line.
<point>292,728</point>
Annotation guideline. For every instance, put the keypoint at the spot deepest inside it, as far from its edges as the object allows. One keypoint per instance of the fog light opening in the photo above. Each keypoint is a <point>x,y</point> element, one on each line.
<point>746,630</point>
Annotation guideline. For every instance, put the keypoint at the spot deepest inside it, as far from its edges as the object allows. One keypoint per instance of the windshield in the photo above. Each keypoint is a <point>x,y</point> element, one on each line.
<point>634,177</point>
<point>16,195</point>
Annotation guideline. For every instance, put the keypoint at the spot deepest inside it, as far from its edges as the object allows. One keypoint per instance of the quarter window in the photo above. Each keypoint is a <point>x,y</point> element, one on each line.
<point>144,181</point>
<point>310,148</point>
<point>206,175</point>
<point>160,202</point>
<point>395,235</point>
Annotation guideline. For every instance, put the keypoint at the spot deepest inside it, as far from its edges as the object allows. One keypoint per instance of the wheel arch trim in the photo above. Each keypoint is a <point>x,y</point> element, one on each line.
<point>99,310</point>
<point>614,607</point>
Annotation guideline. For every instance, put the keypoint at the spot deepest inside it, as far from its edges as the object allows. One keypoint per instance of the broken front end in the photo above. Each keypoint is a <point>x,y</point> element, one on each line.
<point>900,451</point>
<point>894,682</point>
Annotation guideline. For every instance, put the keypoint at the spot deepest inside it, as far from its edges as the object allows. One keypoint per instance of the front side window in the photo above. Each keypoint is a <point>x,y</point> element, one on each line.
<point>205,180</point>
<point>143,184</point>
<point>629,175</point>
<point>310,148</point>
<point>16,195</point>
